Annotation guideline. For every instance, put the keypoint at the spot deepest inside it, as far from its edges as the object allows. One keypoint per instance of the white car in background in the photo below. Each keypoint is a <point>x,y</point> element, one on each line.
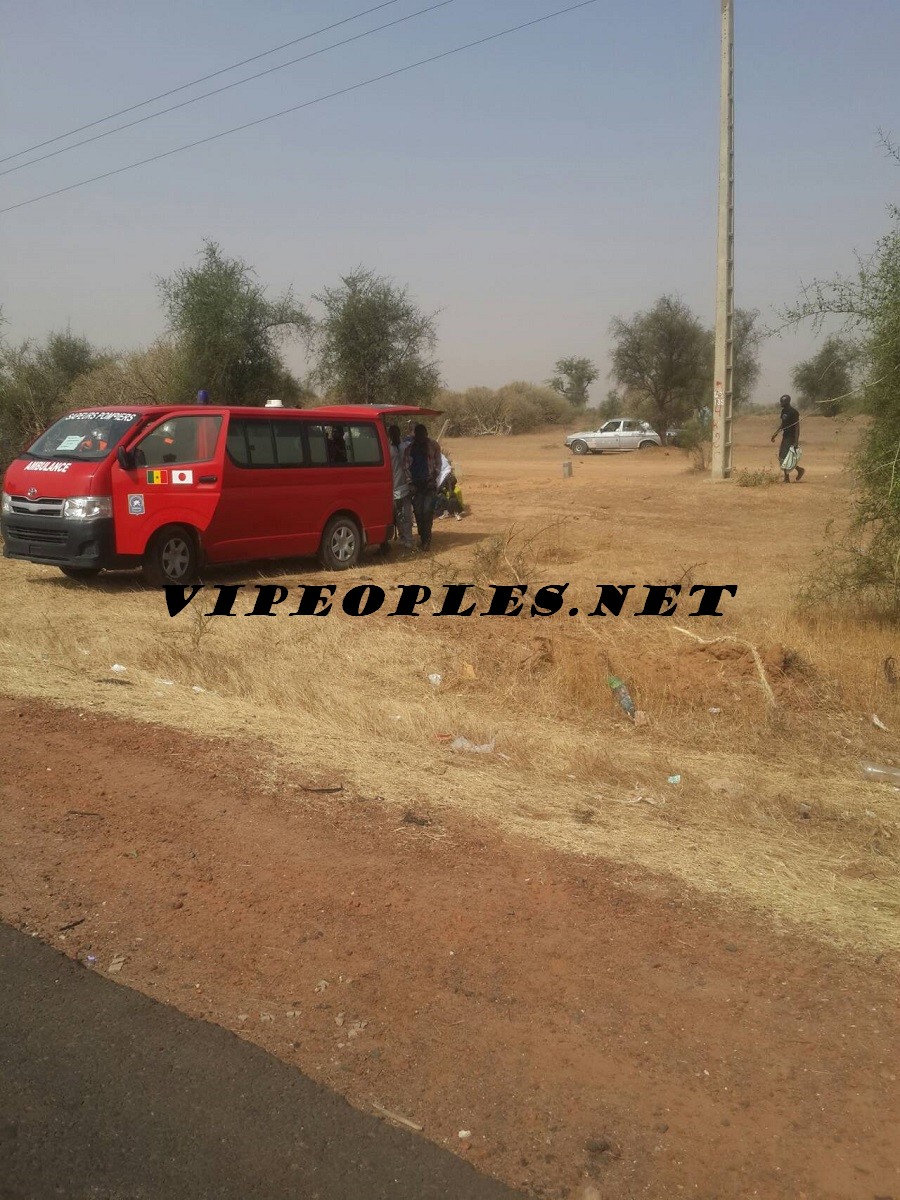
<point>622,433</point>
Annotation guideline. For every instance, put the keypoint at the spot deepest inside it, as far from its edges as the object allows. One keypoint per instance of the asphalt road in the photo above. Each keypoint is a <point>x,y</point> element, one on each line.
<point>108,1095</point>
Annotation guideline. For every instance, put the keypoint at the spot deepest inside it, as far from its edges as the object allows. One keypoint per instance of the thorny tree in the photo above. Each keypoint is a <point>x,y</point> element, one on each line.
<point>867,559</point>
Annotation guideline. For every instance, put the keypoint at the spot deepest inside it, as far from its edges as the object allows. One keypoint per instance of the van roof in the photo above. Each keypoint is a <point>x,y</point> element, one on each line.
<point>334,412</point>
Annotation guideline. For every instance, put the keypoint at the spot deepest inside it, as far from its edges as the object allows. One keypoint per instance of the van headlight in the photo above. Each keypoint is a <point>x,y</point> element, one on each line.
<point>87,508</point>
<point>7,502</point>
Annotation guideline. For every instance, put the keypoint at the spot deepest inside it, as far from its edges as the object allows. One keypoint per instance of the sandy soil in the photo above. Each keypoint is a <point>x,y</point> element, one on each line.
<point>600,1031</point>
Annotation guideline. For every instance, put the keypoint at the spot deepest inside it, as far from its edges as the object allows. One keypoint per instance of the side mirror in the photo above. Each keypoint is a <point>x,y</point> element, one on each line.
<point>125,458</point>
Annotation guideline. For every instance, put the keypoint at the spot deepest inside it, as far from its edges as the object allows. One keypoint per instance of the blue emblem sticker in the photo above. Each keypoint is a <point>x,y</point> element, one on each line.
<point>136,505</point>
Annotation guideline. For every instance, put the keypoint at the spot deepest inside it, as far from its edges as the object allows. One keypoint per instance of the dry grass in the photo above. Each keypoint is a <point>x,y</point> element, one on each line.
<point>771,810</point>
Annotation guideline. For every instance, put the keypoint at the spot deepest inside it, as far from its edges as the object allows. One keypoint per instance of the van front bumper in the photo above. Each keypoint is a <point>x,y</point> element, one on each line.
<point>58,542</point>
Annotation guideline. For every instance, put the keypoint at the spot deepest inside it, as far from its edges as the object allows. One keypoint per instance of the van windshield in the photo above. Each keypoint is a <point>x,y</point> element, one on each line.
<point>83,436</point>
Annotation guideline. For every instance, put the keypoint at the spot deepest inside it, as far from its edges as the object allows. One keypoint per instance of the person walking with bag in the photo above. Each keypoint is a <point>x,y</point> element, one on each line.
<point>789,450</point>
<point>422,465</point>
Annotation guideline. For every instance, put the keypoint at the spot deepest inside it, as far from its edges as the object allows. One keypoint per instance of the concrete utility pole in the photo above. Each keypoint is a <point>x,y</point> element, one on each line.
<point>724,359</point>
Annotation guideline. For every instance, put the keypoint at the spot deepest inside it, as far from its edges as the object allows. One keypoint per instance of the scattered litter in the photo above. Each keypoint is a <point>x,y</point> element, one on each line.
<point>620,691</point>
<point>166,682</point>
<point>674,779</point>
<point>435,679</point>
<point>411,818</point>
<point>72,925</point>
<point>81,650</point>
<point>505,757</point>
<point>356,1029</point>
<point>640,717</point>
<point>869,813</point>
<point>461,743</point>
<point>118,668</point>
<point>80,812</point>
<point>264,1016</point>
<point>386,1112</point>
<point>715,711</point>
<point>321,985</point>
<point>879,724</point>
<point>197,689</point>
<point>396,717</point>
<point>293,1012</point>
<point>880,774</point>
<point>90,958</point>
<point>116,965</point>
<point>243,1017</point>
<point>322,790</point>
<point>464,1134</point>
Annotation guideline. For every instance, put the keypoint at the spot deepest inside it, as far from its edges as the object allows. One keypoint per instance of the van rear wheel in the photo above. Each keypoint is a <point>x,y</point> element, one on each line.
<point>171,557</point>
<point>341,544</point>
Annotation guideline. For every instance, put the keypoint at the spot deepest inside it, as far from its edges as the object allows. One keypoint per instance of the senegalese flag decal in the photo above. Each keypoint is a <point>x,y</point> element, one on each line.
<point>157,476</point>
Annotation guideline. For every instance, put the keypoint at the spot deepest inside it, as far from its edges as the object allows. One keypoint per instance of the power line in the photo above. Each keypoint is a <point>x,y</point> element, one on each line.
<point>354,87</point>
<point>203,79</point>
<point>226,87</point>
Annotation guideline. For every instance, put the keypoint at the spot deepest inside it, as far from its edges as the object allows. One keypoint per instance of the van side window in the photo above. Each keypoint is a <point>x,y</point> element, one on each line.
<point>364,446</point>
<point>289,443</point>
<point>317,444</point>
<point>236,442</point>
<point>190,439</point>
<point>343,445</point>
<point>260,443</point>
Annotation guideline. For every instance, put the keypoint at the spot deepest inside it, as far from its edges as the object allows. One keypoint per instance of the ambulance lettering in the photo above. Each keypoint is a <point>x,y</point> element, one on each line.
<point>58,468</point>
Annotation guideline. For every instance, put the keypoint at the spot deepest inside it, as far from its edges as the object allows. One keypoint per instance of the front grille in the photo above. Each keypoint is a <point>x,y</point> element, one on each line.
<point>46,507</point>
<point>46,537</point>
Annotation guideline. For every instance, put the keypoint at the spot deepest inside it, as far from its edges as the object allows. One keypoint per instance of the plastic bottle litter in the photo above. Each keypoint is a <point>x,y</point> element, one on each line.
<point>880,774</point>
<point>435,679</point>
<point>675,780</point>
<point>620,691</point>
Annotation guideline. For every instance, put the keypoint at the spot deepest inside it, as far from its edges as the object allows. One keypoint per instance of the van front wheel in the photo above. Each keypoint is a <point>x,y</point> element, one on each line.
<point>171,557</point>
<point>341,544</point>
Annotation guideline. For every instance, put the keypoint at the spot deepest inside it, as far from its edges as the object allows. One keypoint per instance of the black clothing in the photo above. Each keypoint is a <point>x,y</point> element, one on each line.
<point>790,428</point>
<point>423,500</point>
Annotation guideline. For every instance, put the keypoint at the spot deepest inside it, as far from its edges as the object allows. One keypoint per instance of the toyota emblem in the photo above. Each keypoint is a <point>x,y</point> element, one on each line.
<point>32,492</point>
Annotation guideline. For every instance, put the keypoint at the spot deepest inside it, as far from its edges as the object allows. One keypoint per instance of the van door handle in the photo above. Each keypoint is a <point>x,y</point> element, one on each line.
<point>209,478</point>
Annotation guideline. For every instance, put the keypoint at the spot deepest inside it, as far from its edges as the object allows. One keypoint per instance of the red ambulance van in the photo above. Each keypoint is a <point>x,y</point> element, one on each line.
<point>170,489</point>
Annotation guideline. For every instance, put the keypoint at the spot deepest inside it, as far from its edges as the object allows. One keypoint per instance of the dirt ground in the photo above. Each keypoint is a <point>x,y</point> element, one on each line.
<point>691,993</point>
<point>598,1031</point>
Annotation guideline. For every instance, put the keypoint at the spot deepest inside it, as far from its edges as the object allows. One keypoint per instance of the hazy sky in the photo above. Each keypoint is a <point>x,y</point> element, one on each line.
<point>531,188</point>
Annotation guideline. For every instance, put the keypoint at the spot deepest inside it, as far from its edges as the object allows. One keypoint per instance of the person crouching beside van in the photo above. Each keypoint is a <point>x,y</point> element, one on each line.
<point>422,465</point>
<point>403,512</point>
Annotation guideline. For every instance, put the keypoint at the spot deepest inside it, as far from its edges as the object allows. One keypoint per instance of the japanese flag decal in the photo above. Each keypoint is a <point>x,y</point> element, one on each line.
<point>182,476</point>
